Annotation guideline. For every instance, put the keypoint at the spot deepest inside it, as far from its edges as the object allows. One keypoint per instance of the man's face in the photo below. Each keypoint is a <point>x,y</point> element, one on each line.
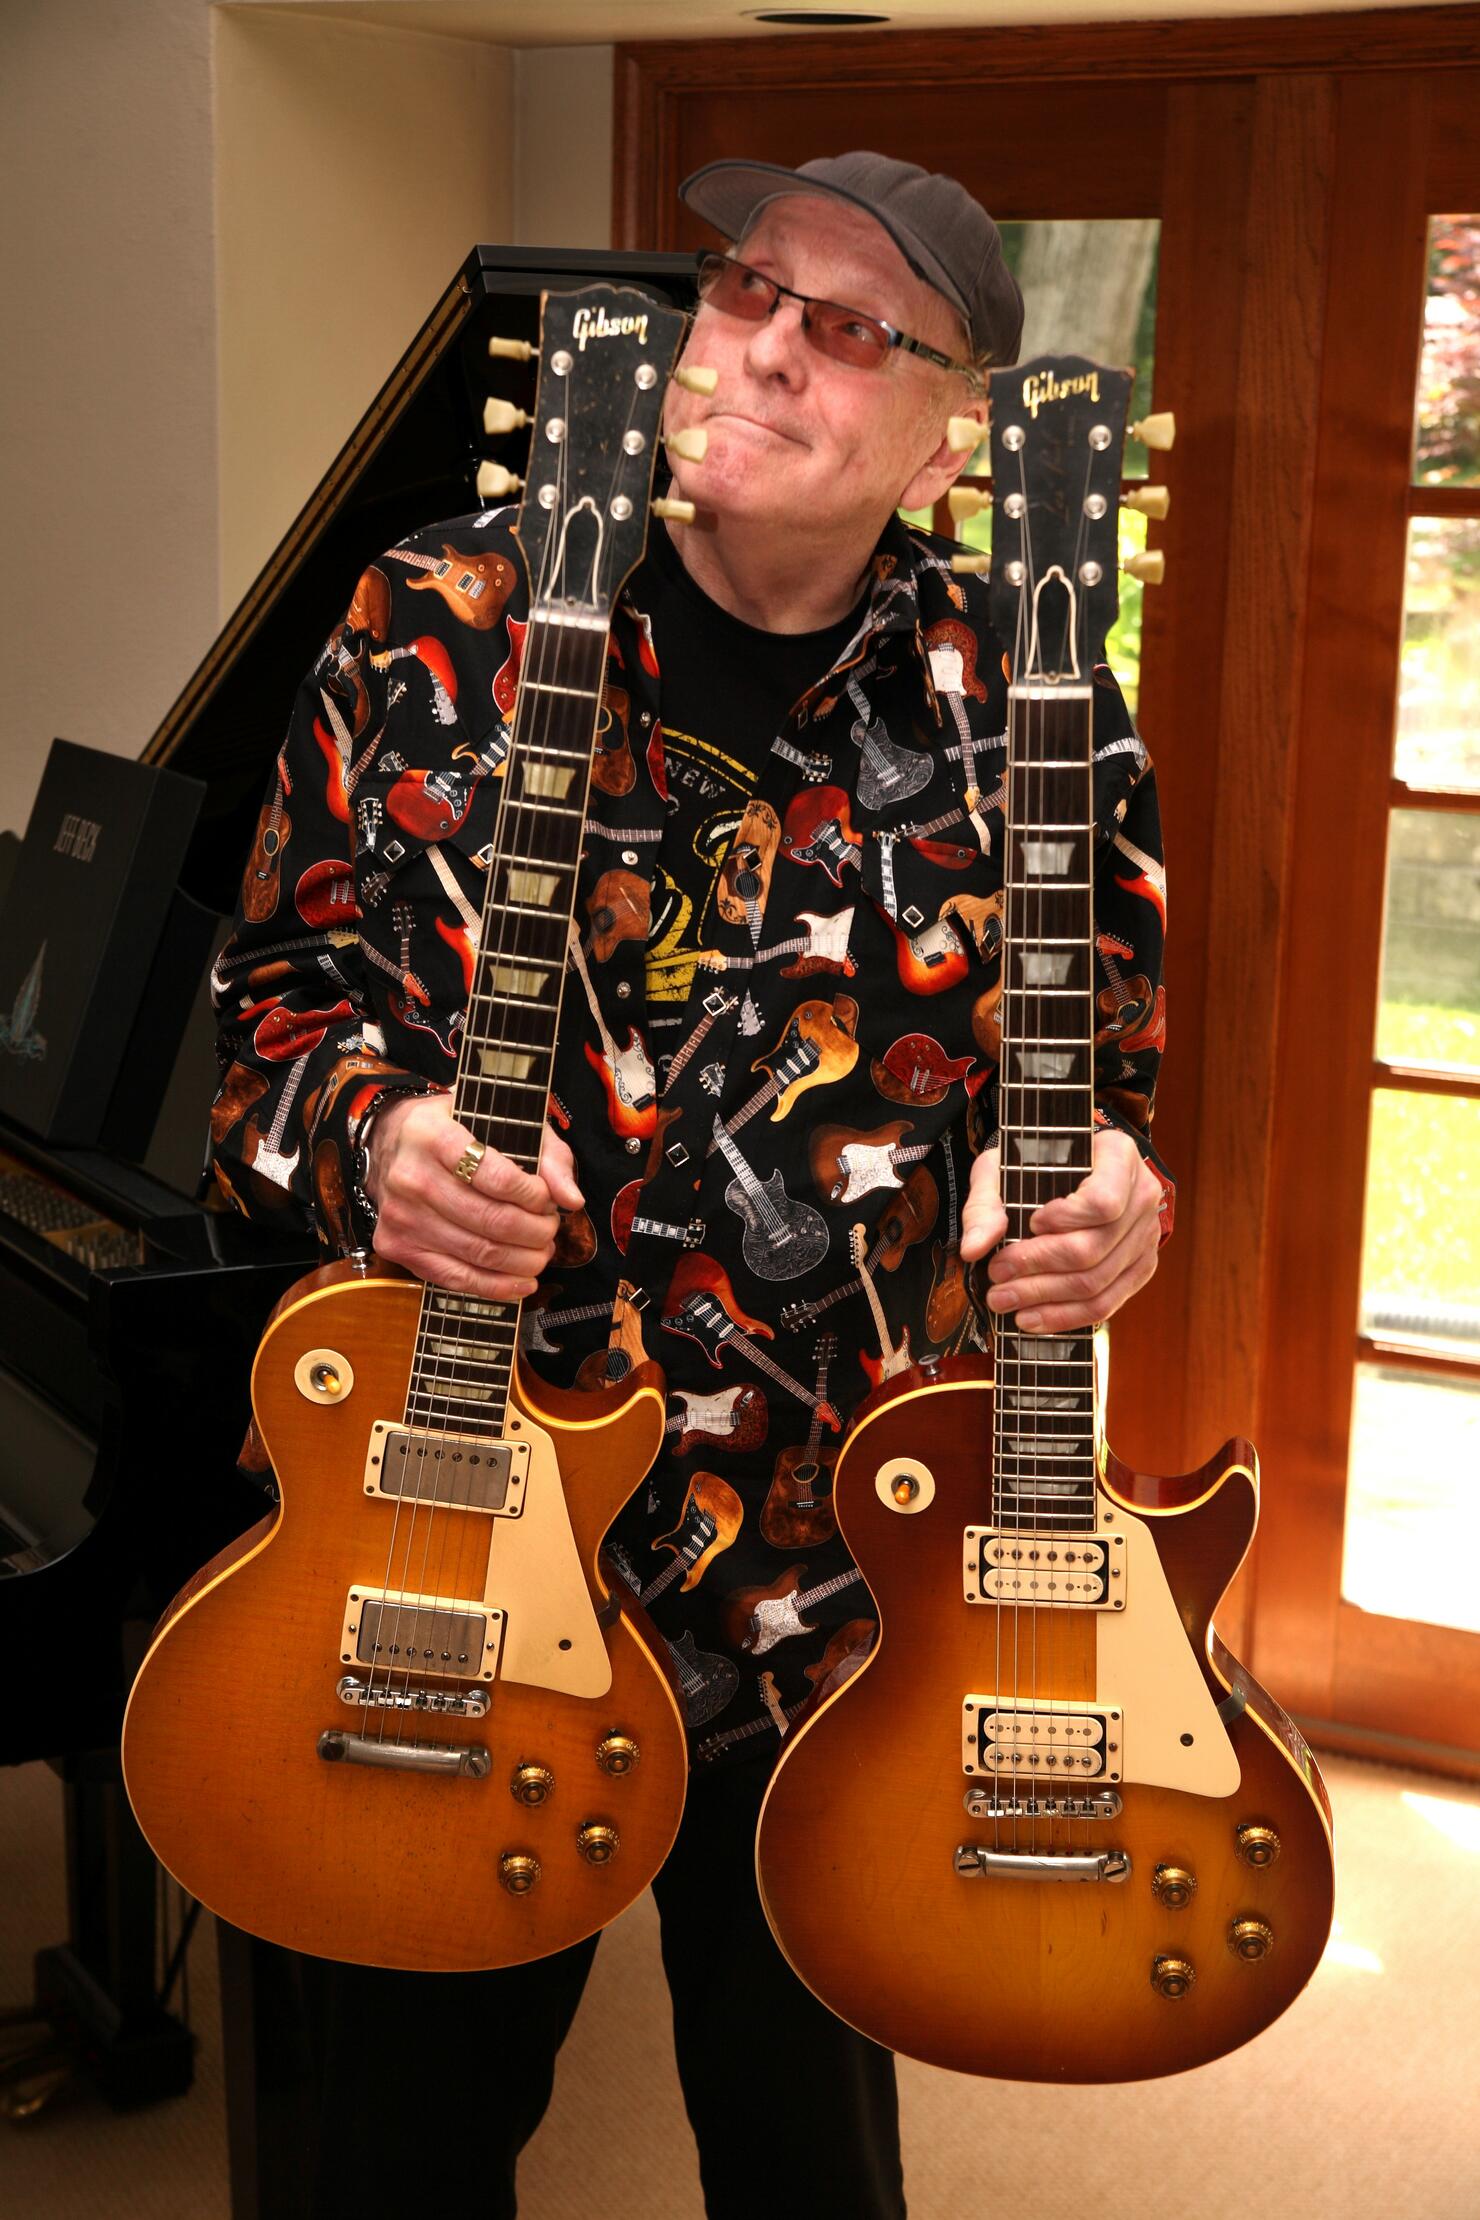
<point>795,439</point>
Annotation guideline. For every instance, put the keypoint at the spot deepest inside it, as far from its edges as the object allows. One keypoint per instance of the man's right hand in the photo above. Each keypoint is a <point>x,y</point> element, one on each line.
<point>492,1235</point>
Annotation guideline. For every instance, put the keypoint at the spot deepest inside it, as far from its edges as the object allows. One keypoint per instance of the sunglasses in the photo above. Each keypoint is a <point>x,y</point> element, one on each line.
<point>842,334</point>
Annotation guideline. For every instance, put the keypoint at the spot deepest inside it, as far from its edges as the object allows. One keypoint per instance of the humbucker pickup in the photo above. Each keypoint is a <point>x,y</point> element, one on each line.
<point>434,1637</point>
<point>1084,1571</point>
<point>1044,1741</point>
<point>456,1472</point>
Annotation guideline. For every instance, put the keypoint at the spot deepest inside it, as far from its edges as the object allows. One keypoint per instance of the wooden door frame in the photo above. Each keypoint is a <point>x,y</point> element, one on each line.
<point>1259,119</point>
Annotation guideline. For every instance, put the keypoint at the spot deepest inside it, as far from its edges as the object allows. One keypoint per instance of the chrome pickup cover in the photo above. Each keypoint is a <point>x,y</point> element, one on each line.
<point>1084,1570</point>
<point>455,1472</point>
<point>1046,1741</point>
<point>435,1637</point>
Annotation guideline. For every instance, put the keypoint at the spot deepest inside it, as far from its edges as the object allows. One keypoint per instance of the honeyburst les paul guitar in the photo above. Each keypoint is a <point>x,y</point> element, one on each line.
<point>408,1721</point>
<point>1052,1829</point>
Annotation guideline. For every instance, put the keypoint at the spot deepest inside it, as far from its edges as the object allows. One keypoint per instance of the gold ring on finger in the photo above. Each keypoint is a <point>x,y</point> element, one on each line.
<point>466,1167</point>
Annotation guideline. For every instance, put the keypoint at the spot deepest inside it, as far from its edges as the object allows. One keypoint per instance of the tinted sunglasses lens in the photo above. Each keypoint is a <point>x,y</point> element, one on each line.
<point>729,286</point>
<point>846,336</point>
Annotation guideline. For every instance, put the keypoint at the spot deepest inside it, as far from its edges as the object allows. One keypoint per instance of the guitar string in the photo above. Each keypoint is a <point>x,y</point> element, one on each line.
<point>446,1380</point>
<point>432,1438</point>
<point>557,655</point>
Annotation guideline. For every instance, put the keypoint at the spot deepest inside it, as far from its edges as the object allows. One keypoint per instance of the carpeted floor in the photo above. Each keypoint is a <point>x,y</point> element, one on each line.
<point>1362,2103</point>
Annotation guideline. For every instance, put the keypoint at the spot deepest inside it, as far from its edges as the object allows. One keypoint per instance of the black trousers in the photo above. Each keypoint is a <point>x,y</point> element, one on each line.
<point>820,2143</point>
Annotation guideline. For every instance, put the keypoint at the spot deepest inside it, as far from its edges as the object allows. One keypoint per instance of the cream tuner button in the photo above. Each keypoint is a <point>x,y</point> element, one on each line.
<point>531,1784</point>
<point>616,1753</point>
<point>1172,1977</point>
<point>518,1871</point>
<point>1257,1845</point>
<point>597,1841</point>
<point>1251,1939</point>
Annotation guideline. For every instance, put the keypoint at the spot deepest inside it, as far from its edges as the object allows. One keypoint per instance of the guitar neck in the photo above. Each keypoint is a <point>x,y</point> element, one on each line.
<point>1044,1418</point>
<point>507,1056</point>
<point>812,1596</point>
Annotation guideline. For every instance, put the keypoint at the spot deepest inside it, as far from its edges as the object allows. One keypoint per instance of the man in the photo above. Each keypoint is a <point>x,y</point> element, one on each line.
<point>794,835</point>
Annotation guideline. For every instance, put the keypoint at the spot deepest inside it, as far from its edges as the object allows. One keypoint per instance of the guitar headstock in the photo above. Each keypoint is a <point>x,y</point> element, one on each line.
<point>1058,431</point>
<point>606,355</point>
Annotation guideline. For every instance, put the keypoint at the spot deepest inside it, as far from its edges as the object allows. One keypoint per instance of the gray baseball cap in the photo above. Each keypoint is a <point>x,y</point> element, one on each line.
<point>946,237</point>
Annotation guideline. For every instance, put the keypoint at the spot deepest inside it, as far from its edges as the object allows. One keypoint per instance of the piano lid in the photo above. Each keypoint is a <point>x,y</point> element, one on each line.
<point>411,459</point>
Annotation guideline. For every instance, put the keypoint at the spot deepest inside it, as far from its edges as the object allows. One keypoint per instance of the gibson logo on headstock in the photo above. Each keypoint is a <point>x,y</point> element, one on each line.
<point>1038,390</point>
<point>586,326</point>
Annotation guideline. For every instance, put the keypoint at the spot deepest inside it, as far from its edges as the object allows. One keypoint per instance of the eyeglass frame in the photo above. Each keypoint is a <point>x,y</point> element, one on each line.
<point>897,339</point>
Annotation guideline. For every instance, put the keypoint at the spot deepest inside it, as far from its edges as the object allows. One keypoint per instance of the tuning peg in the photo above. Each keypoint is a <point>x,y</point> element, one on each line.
<point>494,481</point>
<point>1149,500</point>
<point>977,565</point>
<point>965,501</point>
<point>674,512</point>
<point>512,350</point>
<point>502,416</point>
<point>689,446</point>
<point>1156,431</point>
<point>696,380</point>
<point>963,433</point>
<point>1150,568</point>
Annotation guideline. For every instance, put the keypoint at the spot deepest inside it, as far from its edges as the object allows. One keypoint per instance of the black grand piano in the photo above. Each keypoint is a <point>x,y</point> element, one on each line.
<point>129,1309</point>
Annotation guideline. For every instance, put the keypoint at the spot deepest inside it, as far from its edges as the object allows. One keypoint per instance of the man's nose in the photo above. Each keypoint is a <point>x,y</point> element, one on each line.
<point>777,346</point>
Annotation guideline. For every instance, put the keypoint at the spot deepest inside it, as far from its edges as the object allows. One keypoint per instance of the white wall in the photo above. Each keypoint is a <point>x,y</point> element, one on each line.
<point>108,373</point>
<point>224,229</point>
<point>355,168</point>
<point>563,146</point>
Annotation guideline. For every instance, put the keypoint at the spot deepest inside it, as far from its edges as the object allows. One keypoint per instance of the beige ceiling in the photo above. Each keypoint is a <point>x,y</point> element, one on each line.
<point>595,22</point>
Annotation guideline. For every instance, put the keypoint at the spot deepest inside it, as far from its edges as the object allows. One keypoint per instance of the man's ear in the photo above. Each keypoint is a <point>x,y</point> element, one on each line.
<point>940,470</point>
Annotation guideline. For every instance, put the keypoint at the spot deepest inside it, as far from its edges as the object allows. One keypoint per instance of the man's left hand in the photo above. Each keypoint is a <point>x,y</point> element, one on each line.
<point>1087,1251</point>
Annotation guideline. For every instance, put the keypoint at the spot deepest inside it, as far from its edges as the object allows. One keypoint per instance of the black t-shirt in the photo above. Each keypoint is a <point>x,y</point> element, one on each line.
<point>727,690</point>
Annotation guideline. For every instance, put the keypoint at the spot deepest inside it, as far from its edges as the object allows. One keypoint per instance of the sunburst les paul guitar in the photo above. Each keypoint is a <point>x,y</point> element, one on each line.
<point>408,1720</point>
<point>1052,1829</point>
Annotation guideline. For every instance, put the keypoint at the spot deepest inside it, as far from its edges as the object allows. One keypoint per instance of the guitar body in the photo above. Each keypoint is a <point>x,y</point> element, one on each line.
<point>1014,1976</point>
<point>386,1865</point>
<point>795,1514</point>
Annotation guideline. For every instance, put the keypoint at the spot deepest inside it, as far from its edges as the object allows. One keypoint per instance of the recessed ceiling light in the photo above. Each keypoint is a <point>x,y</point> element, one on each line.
<point>813,19</point>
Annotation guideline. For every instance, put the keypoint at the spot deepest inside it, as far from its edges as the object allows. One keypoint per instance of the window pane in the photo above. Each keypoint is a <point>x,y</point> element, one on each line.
<point>1439,687</point>
<point>1446,448</point>
<point>1421,1232</point>
<point>1089,288</point>
<point>1430,1010</point>
<point>1413,1499</point>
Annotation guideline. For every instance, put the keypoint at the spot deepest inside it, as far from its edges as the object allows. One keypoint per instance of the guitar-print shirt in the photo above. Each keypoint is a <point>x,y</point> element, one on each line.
<point>778,1041</point>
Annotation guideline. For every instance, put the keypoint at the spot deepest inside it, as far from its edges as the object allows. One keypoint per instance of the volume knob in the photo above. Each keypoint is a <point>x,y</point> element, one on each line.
<point>597,1841</point>
<point>1251,1939</point>
<point>531,1784</point>
<point>1174,1886</point>
<point>1257,1844</point>
<point>518,1871</point>
<point>1172,1977</point>
<point>616,1753</point>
